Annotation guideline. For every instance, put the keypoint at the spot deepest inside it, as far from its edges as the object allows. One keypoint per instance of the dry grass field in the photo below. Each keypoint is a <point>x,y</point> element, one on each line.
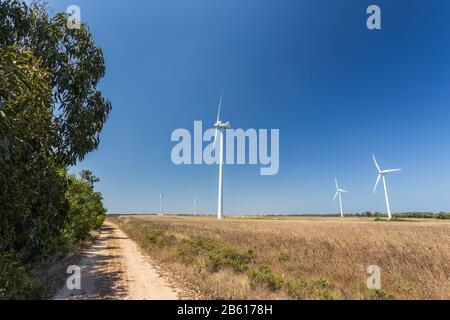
<point>298,258</point>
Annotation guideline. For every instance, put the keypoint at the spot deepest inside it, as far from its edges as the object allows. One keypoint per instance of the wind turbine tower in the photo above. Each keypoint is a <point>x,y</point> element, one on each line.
<point>195,205</point>
<point>382,175</point>
<point>338,193</point>
<point>220,130</point>
<point>161,204</point>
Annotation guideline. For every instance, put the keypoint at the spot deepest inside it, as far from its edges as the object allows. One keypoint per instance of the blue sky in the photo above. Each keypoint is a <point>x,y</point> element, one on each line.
<point>337,91</point>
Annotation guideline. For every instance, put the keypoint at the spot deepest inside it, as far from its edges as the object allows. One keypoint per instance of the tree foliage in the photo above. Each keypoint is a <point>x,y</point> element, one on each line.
<point>31,183</point>
<point>51,114</point>
<point>75,66</point>
<point>86,207</point>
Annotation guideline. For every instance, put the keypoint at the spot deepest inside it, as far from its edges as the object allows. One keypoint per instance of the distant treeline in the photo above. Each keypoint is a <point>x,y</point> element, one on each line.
<point>424,215</point>
<point>419,215</point>
<point>369,214</point>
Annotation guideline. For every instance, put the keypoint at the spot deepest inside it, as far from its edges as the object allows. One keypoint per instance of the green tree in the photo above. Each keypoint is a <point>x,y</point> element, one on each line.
<point>87,176</point>
<point>32,202</point>
<point>75,66</point>
<point>51,114</point>
<point>86,211</point>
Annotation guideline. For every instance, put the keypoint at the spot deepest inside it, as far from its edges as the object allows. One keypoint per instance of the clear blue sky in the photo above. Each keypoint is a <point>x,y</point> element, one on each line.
<point>337,91</point>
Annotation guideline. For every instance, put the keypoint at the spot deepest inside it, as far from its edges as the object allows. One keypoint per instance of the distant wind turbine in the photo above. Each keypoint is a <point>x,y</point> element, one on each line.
<point>338,193</point>
<point>161,199</point>
<point>220,127</point>
<point>195,205</point>
<point>382,174</point>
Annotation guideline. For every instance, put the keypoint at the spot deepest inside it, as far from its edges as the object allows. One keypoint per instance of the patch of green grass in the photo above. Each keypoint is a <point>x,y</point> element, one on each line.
<point>264,276</point>
<point>284,256</point>
<point>224,256</point>
<point>375,294</point>
<point>185,252</point>
<point>160,239</point>
<point>154,236</point>
<point>319,288</point>
<point>296,288</point>
<point>211,254</point>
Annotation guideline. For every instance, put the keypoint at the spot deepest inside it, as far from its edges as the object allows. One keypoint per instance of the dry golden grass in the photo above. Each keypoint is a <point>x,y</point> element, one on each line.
<point>299,258</point>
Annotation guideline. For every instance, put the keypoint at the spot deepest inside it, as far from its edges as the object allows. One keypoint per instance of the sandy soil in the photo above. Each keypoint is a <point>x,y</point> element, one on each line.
<point>115,268</point>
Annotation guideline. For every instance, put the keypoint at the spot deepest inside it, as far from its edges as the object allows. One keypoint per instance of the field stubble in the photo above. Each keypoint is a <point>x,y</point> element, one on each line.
<point>303,258</point>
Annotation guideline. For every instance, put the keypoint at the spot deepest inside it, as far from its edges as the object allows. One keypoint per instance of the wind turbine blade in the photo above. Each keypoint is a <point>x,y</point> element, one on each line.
<point>376,163</point>
<point>337,186</point>
<point>341,190</point>
<point>376,183</point>
<point>220,106</point>
<point>335,195</point>
<point>392,170</point>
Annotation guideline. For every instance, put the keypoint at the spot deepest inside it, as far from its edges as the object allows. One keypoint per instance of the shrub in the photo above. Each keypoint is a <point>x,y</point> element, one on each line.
<point>159,238</point>
<point>314,288</point>
<point>264,276</point>
<point>375,294</point>
<point>86,209</point>
<point>296,289</point>
<point>214,255</point>
<point>15,282</point>
<point>284,256</point>
<point>224,256</point>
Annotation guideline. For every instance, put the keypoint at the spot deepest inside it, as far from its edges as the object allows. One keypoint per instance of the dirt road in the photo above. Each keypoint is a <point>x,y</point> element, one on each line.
<point>115,268</point>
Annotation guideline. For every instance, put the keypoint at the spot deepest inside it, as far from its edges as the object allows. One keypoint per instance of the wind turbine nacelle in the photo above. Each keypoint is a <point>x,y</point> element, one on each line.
<point>222,125</point>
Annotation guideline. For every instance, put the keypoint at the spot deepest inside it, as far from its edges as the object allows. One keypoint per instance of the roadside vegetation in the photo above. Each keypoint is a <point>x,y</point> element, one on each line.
<point>301,258</point>
<point>51,115</point>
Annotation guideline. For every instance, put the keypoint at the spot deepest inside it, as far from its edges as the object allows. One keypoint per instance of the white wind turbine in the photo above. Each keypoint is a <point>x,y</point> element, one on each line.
<point>338,193</point>
<point>382,174</point>
<point>195,205</point>
<point>220,127</point>
<point>161,203</point>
